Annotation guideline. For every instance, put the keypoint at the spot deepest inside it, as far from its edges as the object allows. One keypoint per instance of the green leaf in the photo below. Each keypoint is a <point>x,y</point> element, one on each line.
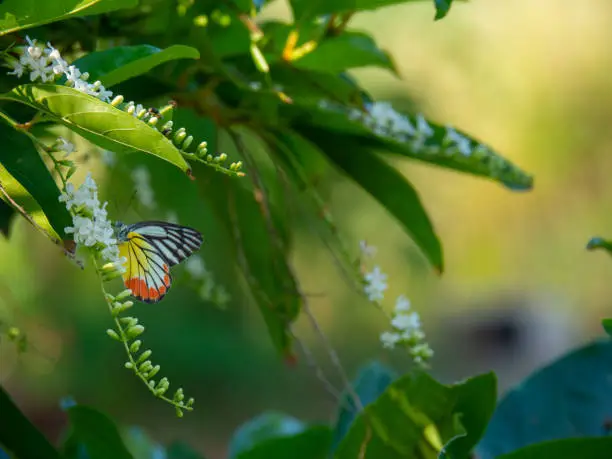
<point>303,9</point>
<point>569,448</point>
<point>442,8</point>
<point>99,122</point>
<point>371,382</point>
<point>261,249</point>
<point>97,433</point>
<point>382,128</point>
<point>6,216</point>
<point>22,14</point>
<point>115,65</point>
<point>178,450</point>
<point>23,164</point>
<point>274,435</point>
<point>343,52</point>
<point>607,325</point>
<point>414,417</point>
<point>19,436</point>
<point>389,188</point>
<point>476,403</point>
<point>600,243</point>
<point>569,398</point>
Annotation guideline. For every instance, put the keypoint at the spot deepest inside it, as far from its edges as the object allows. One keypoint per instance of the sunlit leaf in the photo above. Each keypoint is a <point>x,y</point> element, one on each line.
<point>21,162</point>
<point>23,14</point>
<point>568,398</point>
<point>414,417</point>
<point>422,140</point>
<point>97,121</point>
<point>114,65</point>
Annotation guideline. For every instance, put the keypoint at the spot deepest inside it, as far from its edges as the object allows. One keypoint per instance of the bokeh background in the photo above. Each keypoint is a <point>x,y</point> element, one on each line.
<point>530,79</point>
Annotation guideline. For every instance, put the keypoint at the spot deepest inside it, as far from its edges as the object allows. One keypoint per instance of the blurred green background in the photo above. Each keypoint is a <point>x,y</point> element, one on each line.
<point>530,79</point>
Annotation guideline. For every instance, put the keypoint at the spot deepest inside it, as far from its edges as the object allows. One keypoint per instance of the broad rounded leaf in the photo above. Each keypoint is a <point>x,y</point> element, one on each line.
<point>346,51</point>
<point>23,164</point>
<point>118,64</point>
<point>22,14</point>
<point>569,448</point>
<point>99,122</point>
<point>569,398</point>
<point>414,417</point>
<point>389,188</point>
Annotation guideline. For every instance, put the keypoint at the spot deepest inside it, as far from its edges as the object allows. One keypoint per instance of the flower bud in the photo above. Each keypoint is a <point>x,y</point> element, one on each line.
<point>154,371</point>
<point>187,142</point>
<point>135,346</point>
<point>113,334</point>
<point>117,100</point>
<point>144,356</point>
<point>141,113</point>
<point>134,331</point>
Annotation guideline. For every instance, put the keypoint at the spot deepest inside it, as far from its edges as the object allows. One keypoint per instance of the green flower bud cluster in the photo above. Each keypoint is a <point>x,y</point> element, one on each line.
<point>128,330</point>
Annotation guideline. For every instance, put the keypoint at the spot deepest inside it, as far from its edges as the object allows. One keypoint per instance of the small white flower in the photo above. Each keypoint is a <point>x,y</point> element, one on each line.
<point>367,251</point>
<point>406,322</point>
<point>421,352</point>
<point>255,85</point>
<point>423,127</point>
<point>376,284</point>
<point>462,143</point>
<point>402,304</point>
<point>65,146</point>
<point>389,339</point>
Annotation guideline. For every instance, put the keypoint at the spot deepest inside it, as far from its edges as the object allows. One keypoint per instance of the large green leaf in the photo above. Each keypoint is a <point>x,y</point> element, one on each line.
<point>19,436</point>
<point>343,52</point>
<point>114,65</point>
<point>23,14</point>
<point>96,433</point>
<point>23,163</point>
<point>390,189</point>
<point>414,417</point>
<point>568,448</point>
<point>421,140</point>
<point>569,398</point>
<point>277,436</point>
<point>97,121</point>
<point>370,383</point>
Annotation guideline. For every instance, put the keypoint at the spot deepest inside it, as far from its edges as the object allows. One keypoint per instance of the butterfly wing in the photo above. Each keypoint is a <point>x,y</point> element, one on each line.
<point>174,242</point>
<point>150,249</point>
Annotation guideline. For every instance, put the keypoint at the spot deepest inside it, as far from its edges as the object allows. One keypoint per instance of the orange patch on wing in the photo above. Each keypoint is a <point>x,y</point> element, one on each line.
<point>138,287</point>
<point>153,293</point>
<point>166,280</point>
<point>162,289</point>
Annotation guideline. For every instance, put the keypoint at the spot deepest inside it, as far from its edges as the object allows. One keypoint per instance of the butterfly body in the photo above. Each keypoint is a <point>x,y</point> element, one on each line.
<point>151,248</point>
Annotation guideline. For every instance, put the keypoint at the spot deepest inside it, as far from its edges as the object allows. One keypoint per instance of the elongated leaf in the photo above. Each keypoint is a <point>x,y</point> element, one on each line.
<point>600,243</point>
<point>118,64</point>
<point>23,14</point>
<point>385,129</point>
<point>569,398</point>
<point>390,189</point>
<point>18,434</point>
<point>414,417</point>
<point>346,51</point>
<point>22,163</point>
<point>442,8</point>
<point>96,433</point>
<point>97,121</point>
<point>569,448</point>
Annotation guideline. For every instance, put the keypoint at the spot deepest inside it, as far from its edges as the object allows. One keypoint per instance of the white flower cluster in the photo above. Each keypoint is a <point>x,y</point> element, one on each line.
<point>47,64</point>
<point>406,324</point>
<point>208,289</point>
<point>90,224</point>
<point>406,331</point>
<point>142,183</point>
<point>384,121</point>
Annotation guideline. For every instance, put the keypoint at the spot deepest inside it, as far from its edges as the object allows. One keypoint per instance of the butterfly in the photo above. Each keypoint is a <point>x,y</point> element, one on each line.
<point>151,248</point>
